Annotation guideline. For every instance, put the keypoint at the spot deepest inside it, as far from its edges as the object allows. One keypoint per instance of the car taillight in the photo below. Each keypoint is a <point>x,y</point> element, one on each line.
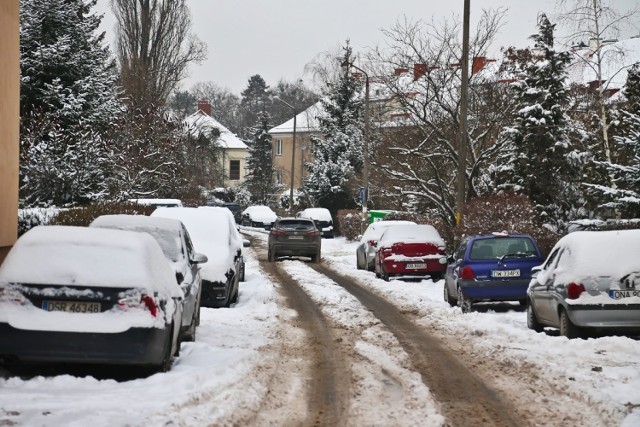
<point>146,301</point>
<point>12,295</point>
<point>277,232</point>
<point>371,243</point>
<point>313,233</point>
<point>574,290</point>
<point>467,273</point>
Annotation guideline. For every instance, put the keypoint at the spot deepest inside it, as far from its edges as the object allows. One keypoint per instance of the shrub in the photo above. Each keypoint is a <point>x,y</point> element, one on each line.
<point>83,216</point>
<point>510,212</point>
<point>32,217</point>
<point>349,223</point>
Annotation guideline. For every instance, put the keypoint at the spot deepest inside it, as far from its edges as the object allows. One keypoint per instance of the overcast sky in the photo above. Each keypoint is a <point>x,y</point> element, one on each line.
<point>276,38</point>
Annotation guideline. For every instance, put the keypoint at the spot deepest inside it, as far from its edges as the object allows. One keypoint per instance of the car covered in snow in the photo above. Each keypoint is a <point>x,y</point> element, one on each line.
<point>88,296</point>
<point>174,240</point>
<point>322,218</point>
<point>410,251</point>
<point>158,203</point>
<point>489,268</point>
<point>590,282</point>
<point>366,250</point>
<point>213,233</point>
<point>258,216</point>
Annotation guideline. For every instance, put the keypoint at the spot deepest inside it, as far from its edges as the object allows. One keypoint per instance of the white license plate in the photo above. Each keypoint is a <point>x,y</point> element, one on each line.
<point>296,237</point>
<point>624,294</point>
<point>416,265</point>
<point>505,273</point>
<point>71,306</point>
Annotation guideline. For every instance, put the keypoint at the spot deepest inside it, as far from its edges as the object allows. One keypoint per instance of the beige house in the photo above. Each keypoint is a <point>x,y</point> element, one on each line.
<point>9,122</point>
<point>234,157</point>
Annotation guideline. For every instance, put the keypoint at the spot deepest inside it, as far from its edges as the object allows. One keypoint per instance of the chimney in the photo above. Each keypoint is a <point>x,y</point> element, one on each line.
<point>419,70</point>
<point>478,64</point>
<point>400,71</point>
<point>204,106</point>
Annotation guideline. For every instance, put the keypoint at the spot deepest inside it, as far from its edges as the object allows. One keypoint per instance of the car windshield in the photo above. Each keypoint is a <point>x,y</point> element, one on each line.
<point>502,247</point>
<point>296,224</point>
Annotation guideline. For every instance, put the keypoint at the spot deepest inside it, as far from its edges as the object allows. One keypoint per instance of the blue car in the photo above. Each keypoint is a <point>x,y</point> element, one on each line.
<point>492,267</point>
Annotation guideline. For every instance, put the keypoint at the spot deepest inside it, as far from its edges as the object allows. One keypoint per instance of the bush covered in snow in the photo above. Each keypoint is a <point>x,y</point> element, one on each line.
<point>32,217</point>
<point>510,212</point>
<point>349,223</point>
<point>83,216</point>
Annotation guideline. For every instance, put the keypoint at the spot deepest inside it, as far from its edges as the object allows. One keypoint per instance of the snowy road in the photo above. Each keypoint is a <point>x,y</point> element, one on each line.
<point>257,363</point>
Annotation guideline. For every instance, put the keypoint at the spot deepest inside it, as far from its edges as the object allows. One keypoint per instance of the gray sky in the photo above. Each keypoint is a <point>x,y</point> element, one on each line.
<point>276,38</point>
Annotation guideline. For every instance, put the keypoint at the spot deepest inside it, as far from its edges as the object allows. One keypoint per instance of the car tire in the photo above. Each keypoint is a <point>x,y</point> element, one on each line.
<point>567,328</point>
<point>316,258</point>
<point>271,256</point>
<point>465,305</point>
<point>436,277</point>
<point>384,275</point>
<point>452,302</point>
<point>532,319</point>
<point>167,356</point>
<point>359,265</point>
<point>241,275</point>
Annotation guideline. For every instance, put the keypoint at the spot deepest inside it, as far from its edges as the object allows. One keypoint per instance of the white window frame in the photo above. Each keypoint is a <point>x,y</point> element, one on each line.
<point>279,147</point>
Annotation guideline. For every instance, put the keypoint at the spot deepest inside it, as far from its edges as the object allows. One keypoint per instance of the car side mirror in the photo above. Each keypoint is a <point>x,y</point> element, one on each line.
<point>179,277</point>
<point>246,243</point>
<point>198,258</point>
<point>444,260</point>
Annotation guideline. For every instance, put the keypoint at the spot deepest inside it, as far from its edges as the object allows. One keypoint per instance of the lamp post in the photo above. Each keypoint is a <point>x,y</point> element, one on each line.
<point>365,144</point>
<point>293,151</point>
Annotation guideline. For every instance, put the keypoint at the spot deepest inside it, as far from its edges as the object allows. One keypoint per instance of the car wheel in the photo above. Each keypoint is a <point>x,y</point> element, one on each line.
<point>532,319</point>
<point>464,304</point>
<point>316,258</point>
<point>271,256</point>
<point>384,275</point>
<point>448,298</point>
<point>436,277</point>
<point>190,335</point>
<point>241,279</point>
<point>567,328</point>
<point>167,357</point>
<point>234,298</point>
<point>359,265</point>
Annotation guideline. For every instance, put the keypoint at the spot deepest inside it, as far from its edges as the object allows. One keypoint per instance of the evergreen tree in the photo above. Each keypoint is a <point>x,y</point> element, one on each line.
<point>254,100</point>
<point>259,180</point>
<point>68,101</point>
<point>539,159</point>
<point>626,196</point>
<point>338,152</point>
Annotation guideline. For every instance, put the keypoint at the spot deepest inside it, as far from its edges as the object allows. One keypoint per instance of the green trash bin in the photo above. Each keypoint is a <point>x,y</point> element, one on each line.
<point>377,215</point>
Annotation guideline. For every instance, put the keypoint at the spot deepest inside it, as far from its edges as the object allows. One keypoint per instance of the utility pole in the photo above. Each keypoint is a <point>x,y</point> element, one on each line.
<point>293,152</point>
<point>462,147</point>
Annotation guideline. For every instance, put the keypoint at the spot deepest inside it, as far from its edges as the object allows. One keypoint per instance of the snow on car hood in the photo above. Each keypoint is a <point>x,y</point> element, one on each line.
<point>83,256</point>
<point>211,235</point>
<point>375,229</point>
<point>408,233</point>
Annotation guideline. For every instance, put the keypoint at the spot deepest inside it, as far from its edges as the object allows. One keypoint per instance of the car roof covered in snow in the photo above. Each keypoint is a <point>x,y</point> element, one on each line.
<point>261,213</point>
<point>413,233</point>
<point>375,229</point>
<point>83,256</point>
<point>320,214</point>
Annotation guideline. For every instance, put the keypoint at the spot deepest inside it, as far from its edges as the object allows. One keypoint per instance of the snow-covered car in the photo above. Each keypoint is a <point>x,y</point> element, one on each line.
<point>490,267</point>
<point>213,235</point>
<point>235,208</point>
<point>590,282</point>
<point>88,296</point>
<point>258,216</point>
<point>322,218</point>
<point>176,245</point>
<point>410,251</point>
<point>294,237</point>
<point>158,203</point>
<point>366,250</point>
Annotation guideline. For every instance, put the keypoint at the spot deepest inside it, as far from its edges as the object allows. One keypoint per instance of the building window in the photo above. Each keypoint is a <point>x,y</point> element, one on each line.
<point>278,177</point>
<point>234,170</point>
<point>278,147</point>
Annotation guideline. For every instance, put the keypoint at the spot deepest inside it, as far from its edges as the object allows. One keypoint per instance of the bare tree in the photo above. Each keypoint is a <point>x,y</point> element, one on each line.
<point>422,62</point>
<point>595,21</point>
<point>224,104</point>
<point>154,46</point>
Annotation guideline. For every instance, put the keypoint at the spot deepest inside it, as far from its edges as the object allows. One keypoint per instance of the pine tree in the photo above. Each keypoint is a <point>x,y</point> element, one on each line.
<point>69,101</point>
<point>259,180</point>
<point>338,152</point>
<point>540,160</point>
<point>254,100</point>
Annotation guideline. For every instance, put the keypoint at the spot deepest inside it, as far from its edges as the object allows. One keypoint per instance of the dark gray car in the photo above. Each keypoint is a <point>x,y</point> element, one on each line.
<point>297,237</point>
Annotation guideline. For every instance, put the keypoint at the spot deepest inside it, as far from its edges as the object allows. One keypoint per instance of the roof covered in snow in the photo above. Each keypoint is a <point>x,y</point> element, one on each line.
<point>201,123</point>
<point>306,121</point>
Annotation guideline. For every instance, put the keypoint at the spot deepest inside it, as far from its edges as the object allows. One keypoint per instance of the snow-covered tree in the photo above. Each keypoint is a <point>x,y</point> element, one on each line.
<point>539,159</point>
<point>68,102</point>
<point>337,152</point>
<point>259,179</point>
<point>255,98</point>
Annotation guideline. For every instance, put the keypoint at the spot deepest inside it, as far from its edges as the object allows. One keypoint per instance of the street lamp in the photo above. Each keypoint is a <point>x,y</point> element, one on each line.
<point>365,143</point>
<point>293,151</point>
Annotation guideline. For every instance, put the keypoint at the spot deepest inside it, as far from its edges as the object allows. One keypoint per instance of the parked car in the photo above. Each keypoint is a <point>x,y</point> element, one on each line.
<point>297,237</point>
<point>213,236</point>
<point>159,203</point>
<point>176,245</point>
<point>88,296</point>
<point>590,282</point>
<point>491,267</point>
<point>235,209</point>
<point>322,218</point>
<point>258,216</point>
<point>366,250</point>
<point>410,251</point>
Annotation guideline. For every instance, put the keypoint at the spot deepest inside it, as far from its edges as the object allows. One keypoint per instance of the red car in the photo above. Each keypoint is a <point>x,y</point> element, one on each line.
<point>410,251</point>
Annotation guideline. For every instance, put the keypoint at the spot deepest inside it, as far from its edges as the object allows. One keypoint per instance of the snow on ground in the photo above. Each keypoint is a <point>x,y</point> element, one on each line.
<point>225,368</point>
